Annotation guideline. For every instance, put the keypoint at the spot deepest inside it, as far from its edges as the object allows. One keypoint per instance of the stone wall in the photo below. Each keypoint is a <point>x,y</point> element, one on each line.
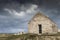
<point>48,26</point>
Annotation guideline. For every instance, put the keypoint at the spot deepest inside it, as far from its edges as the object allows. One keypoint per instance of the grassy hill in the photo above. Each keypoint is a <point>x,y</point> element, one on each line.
<point>30,37</point>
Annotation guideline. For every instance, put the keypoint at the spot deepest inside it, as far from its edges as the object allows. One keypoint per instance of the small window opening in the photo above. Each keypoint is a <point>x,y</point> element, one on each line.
<point>40,28</point>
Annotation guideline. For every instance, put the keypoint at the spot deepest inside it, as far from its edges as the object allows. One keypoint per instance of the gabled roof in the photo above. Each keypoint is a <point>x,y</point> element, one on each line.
<point>40,14</point>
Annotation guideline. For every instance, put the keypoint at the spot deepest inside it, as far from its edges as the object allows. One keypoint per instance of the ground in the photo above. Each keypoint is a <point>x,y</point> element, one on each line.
<point>31,37</point>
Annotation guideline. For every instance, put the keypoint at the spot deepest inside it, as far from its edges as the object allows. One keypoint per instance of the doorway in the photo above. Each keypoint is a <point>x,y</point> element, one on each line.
<point>40,28</point>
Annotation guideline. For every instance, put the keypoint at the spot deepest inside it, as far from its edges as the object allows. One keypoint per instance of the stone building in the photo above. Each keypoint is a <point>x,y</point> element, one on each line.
<point>40,24</point>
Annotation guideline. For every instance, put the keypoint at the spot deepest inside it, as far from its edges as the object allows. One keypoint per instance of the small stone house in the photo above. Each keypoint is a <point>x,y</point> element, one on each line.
<point>40,24</point>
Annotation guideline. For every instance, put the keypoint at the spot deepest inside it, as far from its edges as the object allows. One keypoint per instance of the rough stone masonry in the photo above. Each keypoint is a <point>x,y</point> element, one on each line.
<point>41,24</point>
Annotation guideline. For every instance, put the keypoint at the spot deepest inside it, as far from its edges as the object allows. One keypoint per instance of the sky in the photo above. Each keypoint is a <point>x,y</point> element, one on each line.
<point>15,14</point>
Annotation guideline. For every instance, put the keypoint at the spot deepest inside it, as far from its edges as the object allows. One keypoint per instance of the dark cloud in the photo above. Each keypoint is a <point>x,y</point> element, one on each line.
<point>15,14</point>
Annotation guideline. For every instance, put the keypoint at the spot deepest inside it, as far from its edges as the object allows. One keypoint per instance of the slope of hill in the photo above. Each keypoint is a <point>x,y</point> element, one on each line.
<point>32,37</point>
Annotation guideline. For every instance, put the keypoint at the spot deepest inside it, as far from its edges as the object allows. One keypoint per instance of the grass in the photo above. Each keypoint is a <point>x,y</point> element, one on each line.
<point>30,36</point>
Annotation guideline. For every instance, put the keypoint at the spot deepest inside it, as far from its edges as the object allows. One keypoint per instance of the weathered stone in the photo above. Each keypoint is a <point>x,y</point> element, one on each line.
<point>46,25</point>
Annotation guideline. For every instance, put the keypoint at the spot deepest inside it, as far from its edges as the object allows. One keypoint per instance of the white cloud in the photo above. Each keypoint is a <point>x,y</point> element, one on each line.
<point>22,13</point>
<point>32,9</point>
<point>8,10</point>
<point>15,13</point>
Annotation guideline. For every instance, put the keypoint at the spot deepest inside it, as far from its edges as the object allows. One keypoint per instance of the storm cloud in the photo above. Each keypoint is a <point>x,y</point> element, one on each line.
<point>15,14</point>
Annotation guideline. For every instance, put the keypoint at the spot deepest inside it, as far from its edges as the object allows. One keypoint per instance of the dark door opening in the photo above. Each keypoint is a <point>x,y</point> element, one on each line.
<point>40,28</point>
